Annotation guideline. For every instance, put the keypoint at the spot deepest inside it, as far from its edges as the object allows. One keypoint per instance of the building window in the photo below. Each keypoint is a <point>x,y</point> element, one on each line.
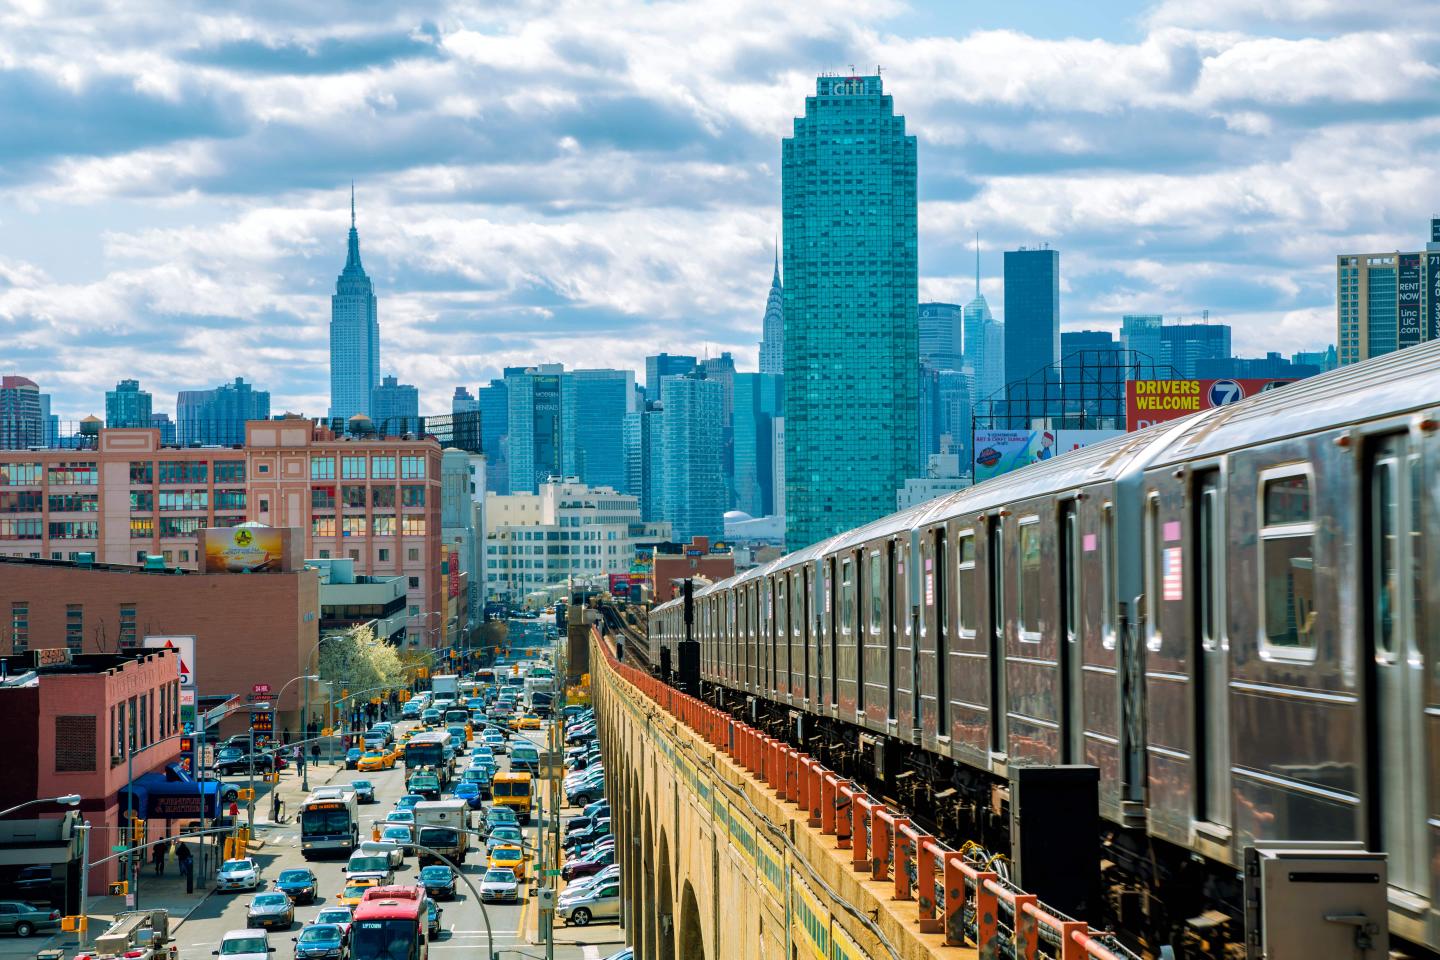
<point>382,496</point>
<point>229,499</point>
<point>414,583</point>
<point>79,473</point>
<point>353,496</point>
<point>1287,563</point>
<point>20,474</point>
<point>383,525</point>
<point>74,627</point>
<point>232,521</point>
<point>264,504</point>
<point>19,627</point>
<point>384,555</point>
<point>324,554</point>
<point>20,529</point>
<point>187,500</point>
<point>229,471</point>
<point>184,556</point>
<point>142,528</point>
<point>382,468</point>
<point>412,468</point>
<point>180,527</point>
<point>74,529</point>
<point>74,503</point>
<point>354,526</point>
<point>184,471</point>
<point>75,744</point>
<point>127,624</point>
<point>412,553</point>
<point>352,468</point>
<point>322,526</point>
<point>412,496</point>
<point>413,526</point>
<point>322,498</point>
<point>142,471</point>
<point>354,554</point>
<point>22,501</point>
<point>322,468</point>
<point>142,500</point>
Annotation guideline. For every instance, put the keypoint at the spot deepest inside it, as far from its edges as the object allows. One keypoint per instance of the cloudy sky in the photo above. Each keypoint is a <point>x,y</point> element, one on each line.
<point>588,182</point>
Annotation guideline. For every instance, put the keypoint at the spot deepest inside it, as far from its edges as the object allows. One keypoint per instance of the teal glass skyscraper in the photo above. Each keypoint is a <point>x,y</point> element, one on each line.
<point>851,363</point>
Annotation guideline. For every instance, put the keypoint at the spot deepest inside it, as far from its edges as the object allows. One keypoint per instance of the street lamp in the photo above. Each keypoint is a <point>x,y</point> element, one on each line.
<point>68,800</point>
<point>305,719</point>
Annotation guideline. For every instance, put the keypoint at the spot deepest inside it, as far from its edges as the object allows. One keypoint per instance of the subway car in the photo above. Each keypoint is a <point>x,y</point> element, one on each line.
<point>1232,616</point>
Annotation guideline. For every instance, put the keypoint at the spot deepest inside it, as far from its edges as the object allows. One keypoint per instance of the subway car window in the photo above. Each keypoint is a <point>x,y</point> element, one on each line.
<point>847,596</point>
<point>877,593</point>
<point>965,583</point>
<point>1108,579</point>
<point>940,601</point>
<point>1385,553</point>
<point>1154,571</point>
<point>1287,562</point>
<point>1030,585</point>
<point>1210,544</point>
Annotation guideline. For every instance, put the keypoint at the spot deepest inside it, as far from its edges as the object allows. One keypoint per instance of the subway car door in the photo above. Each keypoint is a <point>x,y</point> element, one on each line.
<point>995,570</point>
<point>1396,695</point>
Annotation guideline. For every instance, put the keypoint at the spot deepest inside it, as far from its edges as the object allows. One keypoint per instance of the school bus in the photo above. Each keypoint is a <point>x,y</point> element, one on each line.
<point>513,790</point>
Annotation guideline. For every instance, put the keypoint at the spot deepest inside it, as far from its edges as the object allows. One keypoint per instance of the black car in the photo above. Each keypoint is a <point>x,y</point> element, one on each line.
<point>298,885</point>
<point>438,881</point>
<point>264,763</point>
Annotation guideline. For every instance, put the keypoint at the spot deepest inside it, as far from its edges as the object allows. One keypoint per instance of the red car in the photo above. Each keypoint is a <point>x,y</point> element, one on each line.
<point>588,865</point>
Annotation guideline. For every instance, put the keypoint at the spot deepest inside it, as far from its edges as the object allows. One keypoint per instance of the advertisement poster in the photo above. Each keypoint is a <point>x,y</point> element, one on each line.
<point>1432,265</point>
<point>1409,290</point>
<point>1148,402</point>
<point>998,452</point>
<point>242,549</point>
<point>184,647</point>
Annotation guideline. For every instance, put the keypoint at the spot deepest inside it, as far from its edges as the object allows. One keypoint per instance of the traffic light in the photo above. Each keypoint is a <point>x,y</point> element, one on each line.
<point>119,888</point>
<point>77,923</point>
<point>137,830</point>
<point>245,794</point>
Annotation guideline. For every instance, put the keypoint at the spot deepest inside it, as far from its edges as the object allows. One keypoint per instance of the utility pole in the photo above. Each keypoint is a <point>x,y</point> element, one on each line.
<point>85,884</point>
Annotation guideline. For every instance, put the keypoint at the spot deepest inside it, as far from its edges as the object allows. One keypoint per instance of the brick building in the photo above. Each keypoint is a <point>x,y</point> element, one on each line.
<point>676,561</point>
<point>373,499</point>
<point>72,726</point>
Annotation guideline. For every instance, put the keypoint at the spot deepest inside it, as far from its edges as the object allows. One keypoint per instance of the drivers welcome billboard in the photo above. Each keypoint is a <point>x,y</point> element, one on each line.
<point>1148,402</point>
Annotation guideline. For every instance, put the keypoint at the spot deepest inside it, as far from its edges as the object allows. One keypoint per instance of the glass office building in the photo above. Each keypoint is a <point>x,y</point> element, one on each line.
<point>594,404</point>
<point>851,301</point>
<point>1032,312</point>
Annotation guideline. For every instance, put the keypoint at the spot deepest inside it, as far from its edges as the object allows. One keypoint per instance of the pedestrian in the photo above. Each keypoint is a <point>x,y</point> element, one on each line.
<point>187,866</point>
<point>314,753</point>
<point>157,854</point>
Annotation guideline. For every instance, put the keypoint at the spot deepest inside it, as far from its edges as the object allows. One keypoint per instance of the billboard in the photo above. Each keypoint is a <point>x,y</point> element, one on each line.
<point>1408,294</point>
<point>1000,451</point>
<point>242,549</point>
<point>1148,402</point>
<point>184,646</point>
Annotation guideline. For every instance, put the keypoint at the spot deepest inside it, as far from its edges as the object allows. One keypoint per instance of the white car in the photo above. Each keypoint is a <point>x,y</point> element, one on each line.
<point>244,945</point>
<point>238,875</point>
<point>499,885</point>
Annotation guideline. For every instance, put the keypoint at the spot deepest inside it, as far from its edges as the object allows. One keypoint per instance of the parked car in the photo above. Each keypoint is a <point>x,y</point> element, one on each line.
<point>439,881</point>
<point>352,758</point>
<point>319,941</point>
<point>271,910</point>
<point>299,885</point>
<point>588,865</point>
<point>229,765</point>
<point>499,885</point>
<point>600,903</point>
<point>23,918</point>
<point>244,945</point>
<point>238,875</point>
<point>364,791</point>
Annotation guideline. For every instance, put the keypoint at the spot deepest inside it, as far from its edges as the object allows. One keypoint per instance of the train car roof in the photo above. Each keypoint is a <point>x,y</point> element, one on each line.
<point>1397,383</point>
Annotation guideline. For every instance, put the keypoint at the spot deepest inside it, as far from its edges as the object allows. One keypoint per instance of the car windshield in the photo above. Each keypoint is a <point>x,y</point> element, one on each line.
<point>320,933</point>
<point>439,873</point>
<point>506,853</point>
<point>333,915</point>
<point>397,833</point>
<point>234,945</point>
<point>499,875</point>
<point>408,801</point>
<point>296,876</point>
<point>271,900</point>
<point>229,866</point>
<point>366,864</point>
<point>372,755</point>
<point>361,784</point>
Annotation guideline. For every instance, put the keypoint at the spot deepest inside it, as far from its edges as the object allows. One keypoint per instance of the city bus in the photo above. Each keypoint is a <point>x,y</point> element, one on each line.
<point>512,790</point>
<point>328,821</point>
<point>434,750</point>
<point>390,924</point>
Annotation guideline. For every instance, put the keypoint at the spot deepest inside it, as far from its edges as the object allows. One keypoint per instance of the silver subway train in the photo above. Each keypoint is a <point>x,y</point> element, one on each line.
<point>1233,616</point>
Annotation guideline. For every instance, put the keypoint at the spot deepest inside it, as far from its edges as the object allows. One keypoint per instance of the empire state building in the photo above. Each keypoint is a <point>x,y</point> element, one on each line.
<point>354,334</point>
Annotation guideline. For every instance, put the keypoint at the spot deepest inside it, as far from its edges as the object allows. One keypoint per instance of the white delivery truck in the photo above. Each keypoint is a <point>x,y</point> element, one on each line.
<point>443,826</point>
<point>445,687</point>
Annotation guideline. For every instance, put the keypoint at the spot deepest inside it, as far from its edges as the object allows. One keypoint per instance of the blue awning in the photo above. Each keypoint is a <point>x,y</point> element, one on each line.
<point>171,795</point>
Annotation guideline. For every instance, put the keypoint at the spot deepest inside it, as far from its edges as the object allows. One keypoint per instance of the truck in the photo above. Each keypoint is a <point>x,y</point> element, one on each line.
<point>136,935</point>
<point>445,686</point>
<point>443,825</point>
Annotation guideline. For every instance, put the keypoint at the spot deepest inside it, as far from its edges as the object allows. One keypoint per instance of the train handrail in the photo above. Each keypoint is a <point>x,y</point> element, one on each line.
<point>884,853</point>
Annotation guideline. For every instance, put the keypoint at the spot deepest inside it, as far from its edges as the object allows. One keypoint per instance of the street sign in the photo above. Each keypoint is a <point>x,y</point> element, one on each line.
<point>260,688</point>
<point>118,847</point>
<point>552,873</point>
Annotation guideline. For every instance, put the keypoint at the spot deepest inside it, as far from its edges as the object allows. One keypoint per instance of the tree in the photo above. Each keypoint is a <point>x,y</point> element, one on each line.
<point>359,660</point>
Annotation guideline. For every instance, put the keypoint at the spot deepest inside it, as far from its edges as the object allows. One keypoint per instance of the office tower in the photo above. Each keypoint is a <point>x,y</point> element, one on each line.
<point>1272,366</point>
<point>494,403</point>
<point>354,334</point>
<point>954,410</point>
<point>1186,344</point>
<point>395,407</point>
<point>693,490</point>
<point>127,405</point>
<point>722,370</point>
<point>1141,333</point>
<point>939,335</point>
<point>51,421</point>
<point>664,365</point>
<point>645,459</point>
<point>984,353</point>
<point>22,420</point>
<point>166,426</point>
<point>929,411</point>
<point>217,417</point>
<point>759,400</point>
<point>533,435</point>
<point>851,301</point>
<point>777,437</point>
<point>1387,301</point>
<point>1032,311</point>
<point>594,404</point>
<point>464,402</point>
<point>772,328</point>
<point>1322,360</point>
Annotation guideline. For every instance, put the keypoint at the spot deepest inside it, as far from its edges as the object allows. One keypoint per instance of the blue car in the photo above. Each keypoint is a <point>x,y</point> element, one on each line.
<point>298,885</point>
<point>469,791</point>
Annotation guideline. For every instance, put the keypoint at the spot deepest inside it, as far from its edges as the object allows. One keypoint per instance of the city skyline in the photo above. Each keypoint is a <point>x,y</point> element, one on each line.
<point>1183,157</point>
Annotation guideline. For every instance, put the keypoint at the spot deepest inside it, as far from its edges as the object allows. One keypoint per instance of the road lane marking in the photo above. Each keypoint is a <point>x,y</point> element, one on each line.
<point>590,952</point>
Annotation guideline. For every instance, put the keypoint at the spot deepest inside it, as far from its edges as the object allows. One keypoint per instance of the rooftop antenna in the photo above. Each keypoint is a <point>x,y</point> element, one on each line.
<point>352,204</point>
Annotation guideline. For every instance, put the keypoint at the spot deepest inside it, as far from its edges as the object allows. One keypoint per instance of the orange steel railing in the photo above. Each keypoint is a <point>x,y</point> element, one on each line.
<point>944,884</point>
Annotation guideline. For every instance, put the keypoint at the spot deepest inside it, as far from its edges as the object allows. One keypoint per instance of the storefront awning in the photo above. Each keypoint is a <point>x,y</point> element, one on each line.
<point>171,795</point>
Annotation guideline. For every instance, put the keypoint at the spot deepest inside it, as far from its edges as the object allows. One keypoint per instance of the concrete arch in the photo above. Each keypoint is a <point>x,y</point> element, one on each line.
<point>692,937</point>
<point>648,913</point>
<point>665,903</point>
<point>630,872</point>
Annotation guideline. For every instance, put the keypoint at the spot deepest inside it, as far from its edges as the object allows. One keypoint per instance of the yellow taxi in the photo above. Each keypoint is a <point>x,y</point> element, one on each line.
<point>354,891</point>
<point>509,856</point>
<point>376,760</point>
<point>406,734</point>
<point>527,722</point>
